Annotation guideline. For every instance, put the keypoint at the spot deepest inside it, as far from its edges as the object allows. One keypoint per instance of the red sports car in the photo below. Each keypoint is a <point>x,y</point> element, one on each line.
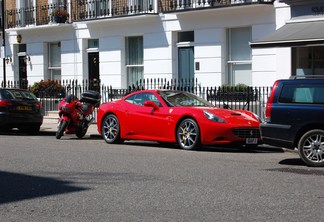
<point>175,117</point>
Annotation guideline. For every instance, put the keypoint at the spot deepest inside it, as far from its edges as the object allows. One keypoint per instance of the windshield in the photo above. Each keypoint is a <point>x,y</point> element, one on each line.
<point>179,98</point>
<point>18,94</point>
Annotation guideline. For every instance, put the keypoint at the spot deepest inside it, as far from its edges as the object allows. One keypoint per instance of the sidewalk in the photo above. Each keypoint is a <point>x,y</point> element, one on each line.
<point>50,123</point>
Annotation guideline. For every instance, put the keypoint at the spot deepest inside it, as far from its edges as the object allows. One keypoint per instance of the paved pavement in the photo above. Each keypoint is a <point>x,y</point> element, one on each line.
<point>50,126</point>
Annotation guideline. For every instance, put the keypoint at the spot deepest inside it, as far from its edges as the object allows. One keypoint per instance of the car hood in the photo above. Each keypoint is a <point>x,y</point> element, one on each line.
<point>232,115</point>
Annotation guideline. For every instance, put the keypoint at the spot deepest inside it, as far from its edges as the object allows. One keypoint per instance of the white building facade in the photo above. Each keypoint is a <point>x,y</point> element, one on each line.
<point>206,40</point>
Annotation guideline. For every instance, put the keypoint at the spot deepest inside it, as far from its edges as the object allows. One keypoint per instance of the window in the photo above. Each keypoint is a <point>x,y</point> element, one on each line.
<point>239,56</point>
<point>22,48</point>
<point>186,36</point>
<point>136,6</point>
<point>97,8</point>
<point>26,16</point>
<point>141,98</point>
<point>54,63</point>
<point>312,94</point>
<point>134,59</point>
<point>93,43</point>
<point>308,60</point>
<point>59,2</point>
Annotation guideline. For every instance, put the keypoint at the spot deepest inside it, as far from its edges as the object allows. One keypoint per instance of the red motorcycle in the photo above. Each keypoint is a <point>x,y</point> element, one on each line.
<point>76,115</point>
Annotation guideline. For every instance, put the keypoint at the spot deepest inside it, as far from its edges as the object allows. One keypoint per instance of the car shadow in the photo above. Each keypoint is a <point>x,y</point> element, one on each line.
<point>292,162</point>
<point>18,187</point>
<point>230,149</point>
<point>16,132</point>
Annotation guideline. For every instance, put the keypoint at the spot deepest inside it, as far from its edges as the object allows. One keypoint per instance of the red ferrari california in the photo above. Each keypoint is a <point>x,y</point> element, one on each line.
<point>175,117</point>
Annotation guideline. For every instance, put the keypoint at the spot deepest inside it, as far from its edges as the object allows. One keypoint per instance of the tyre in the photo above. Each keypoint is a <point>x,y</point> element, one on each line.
<point>311,148</point>
<point>81,130</point>
<point>61,128</point>
<point>188,134</point>
<point>110,129</point>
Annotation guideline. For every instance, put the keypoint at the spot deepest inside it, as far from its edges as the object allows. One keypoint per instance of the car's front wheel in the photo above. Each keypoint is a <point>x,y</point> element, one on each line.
<point>188,134</point>
<point>110,129</point>
<point>311,148</point>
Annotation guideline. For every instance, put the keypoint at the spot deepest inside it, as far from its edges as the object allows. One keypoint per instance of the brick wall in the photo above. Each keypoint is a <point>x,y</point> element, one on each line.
<point>10,4</point>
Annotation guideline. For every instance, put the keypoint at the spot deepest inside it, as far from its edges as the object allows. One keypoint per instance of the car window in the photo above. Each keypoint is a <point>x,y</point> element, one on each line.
<point>300,93</point>
<point>139,99</point>
<point>179,98</point>
<point>6,94</point>
<point>18,94</point>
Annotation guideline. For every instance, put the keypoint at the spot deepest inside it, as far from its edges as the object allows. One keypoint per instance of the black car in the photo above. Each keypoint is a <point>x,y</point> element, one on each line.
<point>295,117</point>
<point>20,109</point>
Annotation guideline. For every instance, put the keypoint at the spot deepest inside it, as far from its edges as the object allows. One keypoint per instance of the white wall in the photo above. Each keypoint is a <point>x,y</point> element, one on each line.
<point>160,51</point>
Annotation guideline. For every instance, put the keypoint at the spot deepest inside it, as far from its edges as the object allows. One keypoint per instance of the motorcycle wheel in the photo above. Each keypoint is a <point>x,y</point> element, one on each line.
<point>60,129</point>
<point>81,130</point>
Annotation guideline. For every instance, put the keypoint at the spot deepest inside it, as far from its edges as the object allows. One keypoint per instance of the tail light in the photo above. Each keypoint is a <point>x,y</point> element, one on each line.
<point>270,101</point>
<point>5,102</point>
<point>39,105</point>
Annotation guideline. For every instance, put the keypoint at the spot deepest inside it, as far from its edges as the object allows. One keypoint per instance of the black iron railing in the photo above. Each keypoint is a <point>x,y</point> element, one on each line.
<point>233,97</point>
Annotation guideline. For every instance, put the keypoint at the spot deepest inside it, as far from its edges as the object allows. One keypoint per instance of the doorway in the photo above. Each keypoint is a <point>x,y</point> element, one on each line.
<point>93,70</point>
<point>186,63</point>
<point>23,83</point>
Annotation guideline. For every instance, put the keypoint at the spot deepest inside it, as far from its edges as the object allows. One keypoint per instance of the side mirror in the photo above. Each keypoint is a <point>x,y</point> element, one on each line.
<point>152,104</point>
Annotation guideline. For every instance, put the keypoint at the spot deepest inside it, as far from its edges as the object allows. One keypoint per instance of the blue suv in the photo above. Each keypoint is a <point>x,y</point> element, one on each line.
<point>294,117</point>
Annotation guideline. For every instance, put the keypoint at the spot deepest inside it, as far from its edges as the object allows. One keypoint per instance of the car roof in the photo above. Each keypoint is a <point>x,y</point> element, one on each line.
<point>16,89</point>
<point>153,91</point>
<point>313,80</point>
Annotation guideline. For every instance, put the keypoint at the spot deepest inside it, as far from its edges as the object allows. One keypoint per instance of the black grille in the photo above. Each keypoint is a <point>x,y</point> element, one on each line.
<point>247,133</point>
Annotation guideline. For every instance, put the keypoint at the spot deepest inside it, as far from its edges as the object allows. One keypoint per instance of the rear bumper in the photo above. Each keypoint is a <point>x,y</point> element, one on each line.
<point>277,135</point>
<point>15,119</point>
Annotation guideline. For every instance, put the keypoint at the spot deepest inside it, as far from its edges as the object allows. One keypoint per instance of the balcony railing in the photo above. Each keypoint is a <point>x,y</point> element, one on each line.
<point>181,5</point>
<point>78,11</point>
<point>83,10</point>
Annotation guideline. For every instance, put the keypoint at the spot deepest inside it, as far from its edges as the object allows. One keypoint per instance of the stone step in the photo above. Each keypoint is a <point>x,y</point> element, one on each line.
<point>51,115</point>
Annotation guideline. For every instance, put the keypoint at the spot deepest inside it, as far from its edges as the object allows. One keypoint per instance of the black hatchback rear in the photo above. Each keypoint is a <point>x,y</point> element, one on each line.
<point>20,109</point>
<point>295,118</point>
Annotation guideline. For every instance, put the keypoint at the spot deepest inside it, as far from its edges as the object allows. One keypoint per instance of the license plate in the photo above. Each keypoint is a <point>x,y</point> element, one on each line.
<point>24,108</point>
<point>251,140</point>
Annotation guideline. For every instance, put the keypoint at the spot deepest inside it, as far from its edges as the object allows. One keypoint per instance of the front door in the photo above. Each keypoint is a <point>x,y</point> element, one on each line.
<point>94,77</point>
<point>23,83</point>
<point>186,63</point>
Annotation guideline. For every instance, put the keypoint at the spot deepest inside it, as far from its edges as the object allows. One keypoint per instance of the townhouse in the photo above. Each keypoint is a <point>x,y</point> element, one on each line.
<point>118,42</point>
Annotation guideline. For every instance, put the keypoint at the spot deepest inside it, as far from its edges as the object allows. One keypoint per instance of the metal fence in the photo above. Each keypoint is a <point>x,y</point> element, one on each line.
<point>233,97</point>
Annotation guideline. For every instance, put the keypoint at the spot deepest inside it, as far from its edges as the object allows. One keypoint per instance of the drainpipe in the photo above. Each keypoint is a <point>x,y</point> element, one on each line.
<point>156,6</point>
<point>3,41</point>
<point>69,5</point>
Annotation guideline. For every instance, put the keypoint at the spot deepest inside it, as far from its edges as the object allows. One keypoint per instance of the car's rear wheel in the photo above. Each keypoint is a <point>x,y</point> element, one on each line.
<point>311,148</point>
<point>188,134</point>
<point>110,129</point>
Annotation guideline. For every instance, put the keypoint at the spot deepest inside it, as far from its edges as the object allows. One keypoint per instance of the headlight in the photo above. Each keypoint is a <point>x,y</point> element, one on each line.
<point>212,117</point>
<point>256,116</point>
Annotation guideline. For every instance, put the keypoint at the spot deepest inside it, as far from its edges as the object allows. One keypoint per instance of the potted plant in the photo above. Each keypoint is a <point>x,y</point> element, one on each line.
<point>60,15</point>
<point>47,89</point>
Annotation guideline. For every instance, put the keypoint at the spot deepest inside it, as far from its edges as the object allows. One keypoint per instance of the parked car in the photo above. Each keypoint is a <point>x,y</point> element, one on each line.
<point>175,117</point>
<point>294,118</point>
<point>20,109</point>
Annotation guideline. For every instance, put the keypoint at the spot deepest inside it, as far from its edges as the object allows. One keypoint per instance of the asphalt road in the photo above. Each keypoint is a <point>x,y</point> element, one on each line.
<point>44,179</point>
